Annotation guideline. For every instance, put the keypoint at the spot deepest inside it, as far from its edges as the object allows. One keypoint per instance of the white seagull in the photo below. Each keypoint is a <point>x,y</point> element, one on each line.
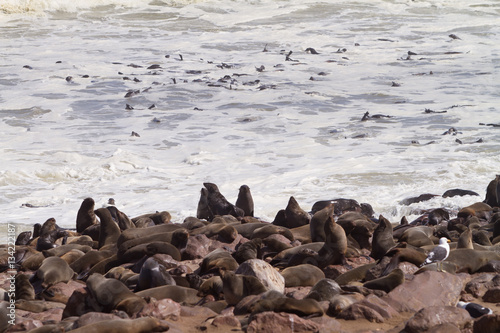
<point>439,253</point>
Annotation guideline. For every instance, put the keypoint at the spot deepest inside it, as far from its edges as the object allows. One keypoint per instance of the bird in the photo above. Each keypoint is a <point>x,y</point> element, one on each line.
<point>438,254</point>
<point>475,310</point>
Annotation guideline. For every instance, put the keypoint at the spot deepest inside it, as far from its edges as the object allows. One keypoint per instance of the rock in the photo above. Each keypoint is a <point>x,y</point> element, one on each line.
<point>478,285</point>
<point>492,295</point>
<point>94,317</point>
<point>272,322</point>
<point>267,274</point>
<point>192,311</point>
<point>491,266</point>
<point>372,308</point>
<point>226,320</point>
<point>62,291</point>
<point>164,309</point>
<point>426,289</point>
<point>444,328</point>
<point>324,290</point>
<point>487,324</point>
<point>430,317</point>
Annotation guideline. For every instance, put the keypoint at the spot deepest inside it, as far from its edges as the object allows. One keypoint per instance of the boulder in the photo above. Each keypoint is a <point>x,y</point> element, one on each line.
<point>272,322</point>
<point>487,324</point>
<point>430,317</point>
<point>267,274</point>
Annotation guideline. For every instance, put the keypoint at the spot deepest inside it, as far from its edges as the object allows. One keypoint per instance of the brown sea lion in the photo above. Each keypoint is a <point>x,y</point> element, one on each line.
<point>162,217</point>
<point>24,288</point>
<point>355,274</point>
<point>203,211</point>
<point>54,270</point>
<point>217,259</point>
<point>302,275</point>
<point>493,192</point>
<point>129,234</point>
<point>183,295</point>
<point>471,261</point>
<point>317,224</point>
<point>152,275</point>
<point>123,221</point>
<point>218,203</point>
<point>245,200</point>
<point>382,240</point>
<point>177,238</point>
<point>86,216</point>
<point>335,246</point>
<point>388,282</point>
<point>236,287</point>
<point>300,307</point>
<point>109,230</point>
<point>295,216</point>
<point>465,240</point>
<point>248,250</point>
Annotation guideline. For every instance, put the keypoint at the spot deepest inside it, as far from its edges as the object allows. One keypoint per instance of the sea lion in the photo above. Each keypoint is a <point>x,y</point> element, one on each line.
<point>236,287</point>
<point>247,229</point>
<point>458,192</point>
<point>302,234</point>
<point>123,221</point>
<point>471,261</point>
<point>72,256</point>
<point>417,236</point>
<point>211,286</point>
<point>218,203</point>
<point>341,302</point>
<point>382,240</point>
<point>183,295</point>
<point>493,192</point>
<point>302,275</point>
<point>224,233</point>
<point>295,216</point>
<point>139,325</point>
<point>317,224</point>
<point>410,254</point>
<point>300,307</point>
<point>388,282</point>
<point>152,275</point>
<point>177,238</point>
<point>203,212</point>
<point>465,240</point>
<point>89,259</point>
<point>245,200</point>
<point>282,258</point>
<point>85,216</point>
<point>355,274</point>
<point>324,290</point>
<point>54,270</point>
<point>63,249</point>
<point>23,238</point>
<point>109,230</point>
<point>335,246</point>
<point>248,250</point>
<point>162,217</point>
<point>270,229</point>
<point>129,234</point>
<point>111,294</point>
<point>217,259</point>
<point>149,249</point>
<point>24,288</point>
<point>438,215</point>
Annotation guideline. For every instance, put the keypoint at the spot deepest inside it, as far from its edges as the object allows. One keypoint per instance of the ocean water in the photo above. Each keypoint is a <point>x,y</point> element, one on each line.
<point>267,93</point>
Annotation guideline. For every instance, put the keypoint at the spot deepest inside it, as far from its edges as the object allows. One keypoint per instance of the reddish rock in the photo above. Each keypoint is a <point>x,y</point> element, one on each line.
<point>24,325</point>
<point>226,320</point>
<point>432,316</point>
<point>272,322</point>
<point>198,246</point>
<point>62,291</point>
<point>371,308</point>
<point>426,289</point>
<point>479,285</point>
<point>164,309</point>
<point>444,328</point>
<point>192,311</point>
<point>334,271</point>
<point>77,304</point>
<point>492,295</point>
<point>297,292</point>
<point>327,324</point>
<point>487,324</point>
<point>94,317</point>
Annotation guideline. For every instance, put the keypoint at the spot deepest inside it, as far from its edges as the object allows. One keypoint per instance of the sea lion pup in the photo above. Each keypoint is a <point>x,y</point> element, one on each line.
<point>300,307</point>
<point>123,221</point>
<point>111,294</point>
<point>294,215</point>
<point>493,192</point>
<point>53,270</point>
<point>23,238</point>
<point>248,250</point>
<point>335,246</point>
<point>24,288</point>
<point>388,282</point>
<point>302,275</point>
<point>152,275</point>
<point>382,240</point>
<point>218,203</point>
<point>217,259</point>
<point>317,224</point>
<point>182,295</point>
<point>236,287</point>
<point>85,216</point>
<point>139,325</point>
<point>245,200</point>
<point>109,230</point>
<point>470,261</point>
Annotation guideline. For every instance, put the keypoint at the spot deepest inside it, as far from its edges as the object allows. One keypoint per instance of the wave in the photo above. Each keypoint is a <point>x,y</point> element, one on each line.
<point>39,6</point>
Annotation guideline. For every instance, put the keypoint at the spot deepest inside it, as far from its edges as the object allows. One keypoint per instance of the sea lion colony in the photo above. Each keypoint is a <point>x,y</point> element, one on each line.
<point>227,270</point>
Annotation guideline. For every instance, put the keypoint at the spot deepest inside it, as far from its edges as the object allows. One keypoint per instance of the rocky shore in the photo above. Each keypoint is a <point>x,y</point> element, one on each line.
<point>334,268</point>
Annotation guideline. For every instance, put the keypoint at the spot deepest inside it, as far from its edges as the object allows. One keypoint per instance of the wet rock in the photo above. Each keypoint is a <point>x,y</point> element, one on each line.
<point>432,316</point>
